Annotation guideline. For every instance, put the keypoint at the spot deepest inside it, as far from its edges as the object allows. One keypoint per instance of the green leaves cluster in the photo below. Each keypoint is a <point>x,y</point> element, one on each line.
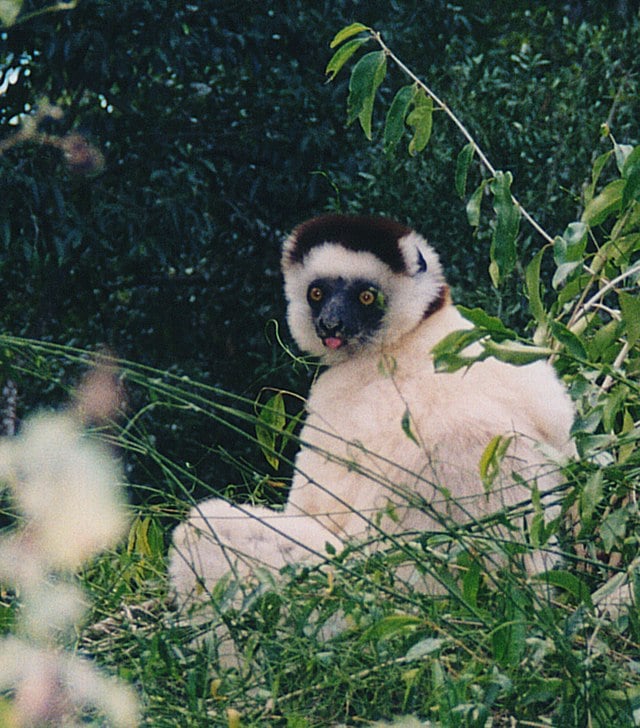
<point>411,106</point>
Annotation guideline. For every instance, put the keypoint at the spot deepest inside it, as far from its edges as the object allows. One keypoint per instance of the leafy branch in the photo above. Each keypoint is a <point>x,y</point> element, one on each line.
<point>413,106</point>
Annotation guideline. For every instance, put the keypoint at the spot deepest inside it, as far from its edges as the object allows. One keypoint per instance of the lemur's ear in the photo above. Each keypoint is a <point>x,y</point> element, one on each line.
<point>422,263</point>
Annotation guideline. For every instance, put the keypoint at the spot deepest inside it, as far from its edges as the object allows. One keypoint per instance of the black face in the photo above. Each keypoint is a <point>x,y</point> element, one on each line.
<point>346,314</point>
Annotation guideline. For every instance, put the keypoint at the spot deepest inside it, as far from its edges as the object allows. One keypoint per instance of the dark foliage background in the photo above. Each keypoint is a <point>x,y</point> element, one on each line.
<point>220,133</point>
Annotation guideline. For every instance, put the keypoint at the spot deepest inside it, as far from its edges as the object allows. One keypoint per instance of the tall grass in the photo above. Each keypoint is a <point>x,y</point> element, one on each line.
<point>496,646</point>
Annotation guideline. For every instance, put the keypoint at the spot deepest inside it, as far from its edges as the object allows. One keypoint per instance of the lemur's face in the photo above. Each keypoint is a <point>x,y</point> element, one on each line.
<point>357,284</point>
<point>346,314</point>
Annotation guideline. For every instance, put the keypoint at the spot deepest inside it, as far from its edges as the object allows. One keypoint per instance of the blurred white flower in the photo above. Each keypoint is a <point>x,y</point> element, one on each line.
<point>51,609</point>
<point>52,687</point>
<point>68,488</point>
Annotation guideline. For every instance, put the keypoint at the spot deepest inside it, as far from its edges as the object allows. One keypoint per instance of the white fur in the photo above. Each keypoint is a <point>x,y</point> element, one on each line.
<point>357,461</point>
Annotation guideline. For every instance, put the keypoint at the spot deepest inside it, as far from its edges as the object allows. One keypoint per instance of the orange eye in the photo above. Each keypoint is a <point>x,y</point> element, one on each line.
<point>367,297</point>
<point>315,294</point>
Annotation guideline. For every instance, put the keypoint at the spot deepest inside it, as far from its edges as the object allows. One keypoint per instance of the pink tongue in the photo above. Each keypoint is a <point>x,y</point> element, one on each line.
<point>333,342</point>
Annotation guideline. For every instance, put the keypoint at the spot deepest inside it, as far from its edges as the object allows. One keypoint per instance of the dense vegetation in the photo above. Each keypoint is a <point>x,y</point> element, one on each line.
<point>219,132</point>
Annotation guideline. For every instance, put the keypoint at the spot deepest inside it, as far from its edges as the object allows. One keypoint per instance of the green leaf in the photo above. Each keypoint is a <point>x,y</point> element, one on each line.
<point>491,460</point>
<point>406,426</point>
<point>568,582</point>
<point>532,287</point>
<point>568,251</point>
<point>366,77</point>
<point>462,168</point>
<point>421,119</point>
<point>473,206</point>
<point>613,403</point>
<point>471,581</point>
<point>516,352</point>
<point>446,353</point>
<point>569,340</point>
<point>631,162</point>
<point>631,173</point>
<point>342,55</point>
<point>394,126</point>
<point>9,11</point>
<point>391,626</point>
<point>630,307</point>
<point>604,337</point>
<point>591,495</point>
<point>507,226</point>
<point>572,244</point>
<point>613,528</point>
<point>491,324</point>
<point>425,647</point>
<point>508,639</point>
<point>563,272</point>
<point>622,152</point>
<point>608,201</point>
<point>348,32</point>
<point>627,447</point>
<point>270,423</point>
<point>596,170</point>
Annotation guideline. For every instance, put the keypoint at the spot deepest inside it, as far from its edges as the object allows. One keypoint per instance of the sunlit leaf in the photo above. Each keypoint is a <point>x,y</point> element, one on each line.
<point>471,581</point>
<point>474,204</point>
<point>491,459</point>
<point>621,152</point>
<point>425,647</point>
<point>9,11</point>
<point>613,528</point>
<point>627,447</point>
<point>563,271</point>
<point>569,251</point>
<point>446,353</point>
<point>571,244</point>
<point>596,170</point>
<point>421,119</point>
<point>604,204</point>
<point>508,638</point>
<point>631,173</point>
<point>392,625</point>
<point>270,423</point>
<point>342,55</point>
<point>612,406</point>
<point>348,32</point>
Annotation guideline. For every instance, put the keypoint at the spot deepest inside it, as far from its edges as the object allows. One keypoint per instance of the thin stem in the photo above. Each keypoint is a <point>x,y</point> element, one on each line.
<point>604,290</point>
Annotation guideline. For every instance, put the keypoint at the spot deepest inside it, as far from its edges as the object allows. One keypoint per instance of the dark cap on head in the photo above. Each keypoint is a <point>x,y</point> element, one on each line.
<point>377,235</point>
